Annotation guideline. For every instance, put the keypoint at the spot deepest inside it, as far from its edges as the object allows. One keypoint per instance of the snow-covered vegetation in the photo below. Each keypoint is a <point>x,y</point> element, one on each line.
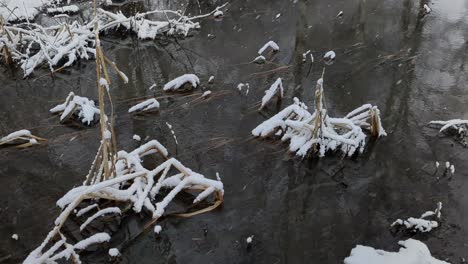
<point>318,132</point>
<point>270,44</point>
<point>76,106</point>
<point>147,105</point>
<point>21,138</point>
<point>421,224</point>
<point>275,89</point>
<point>411,252</point>
<point>186,81</point>
<point>71,41</point>
<point>129,182</point>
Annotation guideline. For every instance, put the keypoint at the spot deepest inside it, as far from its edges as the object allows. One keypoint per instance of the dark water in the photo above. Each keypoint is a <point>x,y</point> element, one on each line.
<point>310,211</point>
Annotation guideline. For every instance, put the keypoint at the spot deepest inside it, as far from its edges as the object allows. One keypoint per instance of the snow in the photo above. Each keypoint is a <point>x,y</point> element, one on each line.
<point>318,132</point>
<point>329,56</point>
<point>107,134</point>
<point>270,44</point>
<point>206,93</point>
<point>218,14</point>
<point>211,79</point>
<point>136,137</point>
<point>340,14</point>
<point>152,86</point>
<point>181,80</point>
<point>94,239</point>
<point>109,210</point>
<point>278,15</point>
<point>447,164</point>
<point>63,9</point>
<point>15,237</point>
<point>427,9</point>
<point>437,164</point>
<point>14,10</point>
<point>146,105</point>
<point>260,59</point>
<point>84,109</point>
<point>452,169</point>
<point>113,252</point>
<point>17,134</point>
<point>421,224</point>
<point>157,229</point>
<point>275,89</point>
<point>304,56</point>
<point>249,239</point>
<point>86,209</point>
<point>172,132</point>
<point>241,86</point>
<point>411,252</point>
<point>454,123</point>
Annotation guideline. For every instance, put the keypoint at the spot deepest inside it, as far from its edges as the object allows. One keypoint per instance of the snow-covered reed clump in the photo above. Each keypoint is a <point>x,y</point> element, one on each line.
<point>421,224</point>
<point>31,45</point>
<point>411,252</point>
<point>184,82</point>
<point>318,132</point>
<point>21,138</point>
<point>76,106</point>
<point>149,190</point>
<point>145,106</point>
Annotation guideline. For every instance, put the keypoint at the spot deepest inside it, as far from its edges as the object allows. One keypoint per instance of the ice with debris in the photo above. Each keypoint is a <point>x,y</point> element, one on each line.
<point>411,252</point>
<point>180,81</point>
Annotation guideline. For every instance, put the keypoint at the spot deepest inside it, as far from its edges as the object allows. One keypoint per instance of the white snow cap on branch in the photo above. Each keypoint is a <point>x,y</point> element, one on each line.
<point>180,81</point>
<point>270,44</point>
<point>146,105</point>
<point>84,109</point>
<point>275,89</point>
<point>411,252</point>
<point>319,132</point>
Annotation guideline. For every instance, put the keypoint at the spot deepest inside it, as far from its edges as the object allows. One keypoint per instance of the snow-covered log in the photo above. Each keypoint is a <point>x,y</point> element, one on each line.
<point>180,82</point>
<point>318,132</point>
<point>147,105</point>
<point>129,183</point>
<point>411,252</point>
<point>80,107</point>
<point>21,138</point>
<point>275,89</point>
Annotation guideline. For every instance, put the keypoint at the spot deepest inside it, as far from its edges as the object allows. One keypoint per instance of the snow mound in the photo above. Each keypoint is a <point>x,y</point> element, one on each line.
<point>412,252</point>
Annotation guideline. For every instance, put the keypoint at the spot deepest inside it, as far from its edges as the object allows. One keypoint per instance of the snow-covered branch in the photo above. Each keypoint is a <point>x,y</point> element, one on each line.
<point>21,138</point>
<point>81,107</point>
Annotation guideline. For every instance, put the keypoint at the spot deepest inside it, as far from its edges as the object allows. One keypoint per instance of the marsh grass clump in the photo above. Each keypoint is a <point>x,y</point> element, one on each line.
<point>318,132</point>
